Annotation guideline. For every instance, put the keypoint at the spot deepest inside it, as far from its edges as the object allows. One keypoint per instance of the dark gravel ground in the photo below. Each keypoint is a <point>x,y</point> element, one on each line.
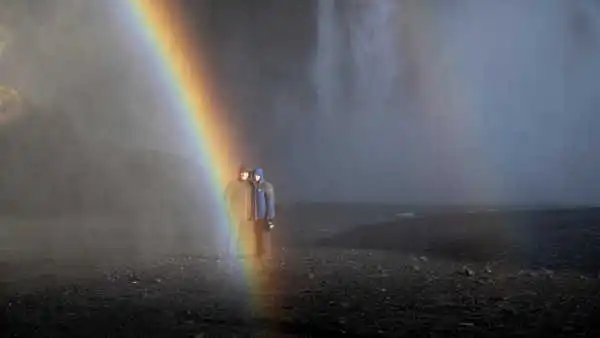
<point>318,291</point>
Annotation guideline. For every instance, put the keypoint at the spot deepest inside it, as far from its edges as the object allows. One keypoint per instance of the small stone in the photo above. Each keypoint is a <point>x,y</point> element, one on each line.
<point>528,273</point>
<point>467,271</point>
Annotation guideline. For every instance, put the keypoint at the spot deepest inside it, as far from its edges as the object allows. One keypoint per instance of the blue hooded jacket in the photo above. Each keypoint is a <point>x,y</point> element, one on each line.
<point>264,198</point>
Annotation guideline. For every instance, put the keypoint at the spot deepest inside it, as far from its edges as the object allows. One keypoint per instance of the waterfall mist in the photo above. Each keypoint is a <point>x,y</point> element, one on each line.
<point>481,102</point>
<point>416,102</point>
<point>99,163</point>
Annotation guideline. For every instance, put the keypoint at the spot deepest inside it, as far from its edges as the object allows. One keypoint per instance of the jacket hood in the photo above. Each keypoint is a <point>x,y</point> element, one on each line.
<point>259,171</point>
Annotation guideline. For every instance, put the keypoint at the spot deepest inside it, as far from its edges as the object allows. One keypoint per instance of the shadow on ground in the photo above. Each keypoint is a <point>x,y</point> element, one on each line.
<point>551,239</point>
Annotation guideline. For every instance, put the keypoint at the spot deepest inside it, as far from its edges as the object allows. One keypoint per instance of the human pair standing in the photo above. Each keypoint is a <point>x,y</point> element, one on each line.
<point>251,203</point>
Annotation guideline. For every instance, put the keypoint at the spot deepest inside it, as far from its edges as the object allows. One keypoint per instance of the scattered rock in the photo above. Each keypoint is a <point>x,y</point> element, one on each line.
<point>527,273</point>
<point>466,271</point>
<point>401,300</point>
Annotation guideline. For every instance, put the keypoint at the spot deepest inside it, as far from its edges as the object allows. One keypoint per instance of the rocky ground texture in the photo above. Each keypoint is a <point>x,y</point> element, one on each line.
<point>470,279</point>
<point>309,293</point>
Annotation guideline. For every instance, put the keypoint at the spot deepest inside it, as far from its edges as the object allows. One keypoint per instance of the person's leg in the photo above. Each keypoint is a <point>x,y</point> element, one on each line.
<point>258,238</point>
<point>234,239</point>
<point>264,238</point>
<point>268,243</point>
<point>246,245</point>
<point>230,249</point>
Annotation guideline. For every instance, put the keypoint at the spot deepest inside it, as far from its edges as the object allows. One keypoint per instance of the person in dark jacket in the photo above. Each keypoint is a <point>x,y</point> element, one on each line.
<point>263,205</point>
<point>238,196</point>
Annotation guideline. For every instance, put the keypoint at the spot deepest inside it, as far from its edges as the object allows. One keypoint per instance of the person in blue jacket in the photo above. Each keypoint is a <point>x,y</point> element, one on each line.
<point>263,206</point>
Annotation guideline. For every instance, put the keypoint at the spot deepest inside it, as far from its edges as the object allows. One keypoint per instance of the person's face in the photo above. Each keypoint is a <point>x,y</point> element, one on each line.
<point>256,178</point>
<point>244,175</point>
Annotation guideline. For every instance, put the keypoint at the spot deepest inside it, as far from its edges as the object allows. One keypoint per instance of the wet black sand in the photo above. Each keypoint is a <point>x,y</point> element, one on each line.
<point>443,277</point>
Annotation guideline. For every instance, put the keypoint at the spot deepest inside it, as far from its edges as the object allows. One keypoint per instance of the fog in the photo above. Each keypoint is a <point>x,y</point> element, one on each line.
<point>393,112</point>
<point>95,157</point>
<point>422,101</point>
<point>85,59</point>
<point>414,102</point>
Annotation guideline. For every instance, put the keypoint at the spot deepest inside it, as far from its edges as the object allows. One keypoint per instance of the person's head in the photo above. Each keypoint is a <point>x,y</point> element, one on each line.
<point>244,173</point>
<point>258,175</point>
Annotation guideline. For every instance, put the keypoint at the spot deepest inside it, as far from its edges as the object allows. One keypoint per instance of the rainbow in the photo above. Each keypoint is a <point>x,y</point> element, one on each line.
<point>188,81</point>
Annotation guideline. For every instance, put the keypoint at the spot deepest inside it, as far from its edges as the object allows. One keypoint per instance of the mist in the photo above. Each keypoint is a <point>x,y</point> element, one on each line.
<point>399,135</point>
<point>400,102</point>
<point>96,157</point>
<point>87,60</point>
<point>479,102</point>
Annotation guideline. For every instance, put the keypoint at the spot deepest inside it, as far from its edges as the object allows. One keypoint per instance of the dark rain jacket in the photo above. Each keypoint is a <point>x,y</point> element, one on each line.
<point>263,201</point>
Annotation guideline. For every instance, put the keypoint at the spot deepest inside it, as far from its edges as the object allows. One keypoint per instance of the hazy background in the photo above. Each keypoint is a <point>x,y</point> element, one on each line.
<point>433,102</point>
<point>418,101</point>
